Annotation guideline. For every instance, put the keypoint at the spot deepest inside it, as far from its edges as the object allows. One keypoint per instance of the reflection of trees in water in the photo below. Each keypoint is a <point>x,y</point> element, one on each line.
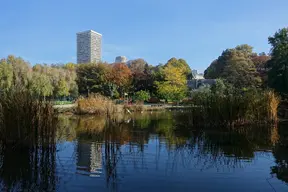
<point>66,128</point>
<point>28,168</point>
<point>238,141</point>
<point>280,153</point>
<point>176,143</point>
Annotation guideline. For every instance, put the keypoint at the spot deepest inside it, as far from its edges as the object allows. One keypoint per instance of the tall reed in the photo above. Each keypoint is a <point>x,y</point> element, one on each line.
<point>26,120</point>
<point>235,109</point>
<point>98,105</point>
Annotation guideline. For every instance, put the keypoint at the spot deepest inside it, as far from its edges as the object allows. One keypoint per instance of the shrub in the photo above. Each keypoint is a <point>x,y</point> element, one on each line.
<point>98,105</point>
<point>62,102</point>
<point>142,96</point>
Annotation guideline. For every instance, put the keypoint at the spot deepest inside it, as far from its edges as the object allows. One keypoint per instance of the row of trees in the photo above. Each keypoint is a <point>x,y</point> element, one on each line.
<point>136,78</point>
<point>42,80</point>
<point>240,67</point>
<point>114,80</point>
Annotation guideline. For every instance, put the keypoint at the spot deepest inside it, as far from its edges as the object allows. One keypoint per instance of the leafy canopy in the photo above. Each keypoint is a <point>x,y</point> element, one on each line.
<point>278,74</point>
<point>174,86</point>
<point>236,67</point>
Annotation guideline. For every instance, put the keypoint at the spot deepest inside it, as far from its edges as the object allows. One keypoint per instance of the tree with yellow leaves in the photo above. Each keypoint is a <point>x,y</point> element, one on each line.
<point>174,87</point>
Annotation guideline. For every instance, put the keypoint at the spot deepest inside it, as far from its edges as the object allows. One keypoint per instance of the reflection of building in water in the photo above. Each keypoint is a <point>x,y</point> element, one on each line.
<point>89,159</point>
<point>96,159</point>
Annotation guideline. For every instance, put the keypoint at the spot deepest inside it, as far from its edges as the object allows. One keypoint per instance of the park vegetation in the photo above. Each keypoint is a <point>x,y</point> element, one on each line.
<point>97,104</point>
<point>26,121</point>
<point>239,67</point>
<point>241,71</point>
<point>221,105</point>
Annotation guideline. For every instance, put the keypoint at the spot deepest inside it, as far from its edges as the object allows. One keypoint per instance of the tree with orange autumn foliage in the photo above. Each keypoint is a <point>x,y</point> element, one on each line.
<point>121,76</point>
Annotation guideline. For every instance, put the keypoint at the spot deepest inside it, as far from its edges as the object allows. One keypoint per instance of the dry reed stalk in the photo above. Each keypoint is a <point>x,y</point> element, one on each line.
<point>235,109</point>
<point>273,104</point>
<point>97,104</point>
<point>25,120</point>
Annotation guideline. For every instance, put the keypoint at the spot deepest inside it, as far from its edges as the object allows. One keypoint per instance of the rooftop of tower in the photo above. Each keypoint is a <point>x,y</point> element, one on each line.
<point>91,31</point>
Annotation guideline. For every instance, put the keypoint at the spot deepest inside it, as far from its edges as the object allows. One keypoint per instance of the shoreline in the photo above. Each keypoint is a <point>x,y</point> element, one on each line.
<point>71,108</point>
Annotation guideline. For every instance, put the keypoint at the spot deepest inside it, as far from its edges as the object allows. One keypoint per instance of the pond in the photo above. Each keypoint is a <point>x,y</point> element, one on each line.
<point>158,151</point>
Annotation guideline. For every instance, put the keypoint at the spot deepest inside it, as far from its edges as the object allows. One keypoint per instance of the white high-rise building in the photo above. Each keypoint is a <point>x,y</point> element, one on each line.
<point>89,47</point>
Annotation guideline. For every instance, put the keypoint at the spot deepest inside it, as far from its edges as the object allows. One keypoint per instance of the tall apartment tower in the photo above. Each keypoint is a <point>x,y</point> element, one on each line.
<point>89,47</point>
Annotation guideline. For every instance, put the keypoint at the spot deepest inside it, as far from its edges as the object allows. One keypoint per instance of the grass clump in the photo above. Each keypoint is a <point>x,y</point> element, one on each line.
<point>98,105</point>
<point>62,102</point>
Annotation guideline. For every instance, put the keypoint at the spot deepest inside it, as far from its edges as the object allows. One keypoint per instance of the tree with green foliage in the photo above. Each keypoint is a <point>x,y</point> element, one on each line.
<point>142,96</point>
<point>21,70</point>
<point>41,79</point>
<point>6,75</point>
<point>70,66</point>
<point>73,89</point>
<point>260,61</point>
<point>62,90</point>
<point>245,49</point>
<point>278,74</point>
<point>236,67</point>
<point>219,87</point>
<point>94,78</point>
<point>40,85</point>
<point>241,73</point>
<point>60,76</point>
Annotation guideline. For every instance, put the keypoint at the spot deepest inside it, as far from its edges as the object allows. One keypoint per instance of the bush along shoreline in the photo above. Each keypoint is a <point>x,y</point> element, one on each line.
<point>211,106</point>
<point>228,106</point>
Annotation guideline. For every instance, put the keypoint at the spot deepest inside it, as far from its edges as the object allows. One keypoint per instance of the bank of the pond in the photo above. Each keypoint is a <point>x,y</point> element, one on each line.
<point>72,108</point>
<point>206,108</point>
<point>66,108</point>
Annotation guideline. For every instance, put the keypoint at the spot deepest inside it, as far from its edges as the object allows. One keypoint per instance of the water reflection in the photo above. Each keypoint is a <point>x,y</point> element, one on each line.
<point>89,159</point>
<point>28,169</point>
<point>281,155</point>
<point>164,142</point>
<point>158,151</point>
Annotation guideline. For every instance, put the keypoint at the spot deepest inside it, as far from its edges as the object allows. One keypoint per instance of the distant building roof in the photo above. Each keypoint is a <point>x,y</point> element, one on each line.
<point>196,83</point>
<point>120,59</point>
<point>91,31</point>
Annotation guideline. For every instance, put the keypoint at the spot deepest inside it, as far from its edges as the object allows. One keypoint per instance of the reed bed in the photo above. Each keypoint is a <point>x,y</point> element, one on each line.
<point>26,120</point>
<point>214,109</point>
<point>98,105</point>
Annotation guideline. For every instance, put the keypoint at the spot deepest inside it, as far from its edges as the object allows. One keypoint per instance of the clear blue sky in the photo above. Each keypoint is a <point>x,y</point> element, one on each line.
<point>156,30</point>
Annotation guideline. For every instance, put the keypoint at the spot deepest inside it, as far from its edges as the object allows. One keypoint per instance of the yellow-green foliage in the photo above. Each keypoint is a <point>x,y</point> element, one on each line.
<point>174,87</point>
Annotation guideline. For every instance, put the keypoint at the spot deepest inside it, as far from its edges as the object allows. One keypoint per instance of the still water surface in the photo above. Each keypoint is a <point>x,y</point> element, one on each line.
<point>152,152</point>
